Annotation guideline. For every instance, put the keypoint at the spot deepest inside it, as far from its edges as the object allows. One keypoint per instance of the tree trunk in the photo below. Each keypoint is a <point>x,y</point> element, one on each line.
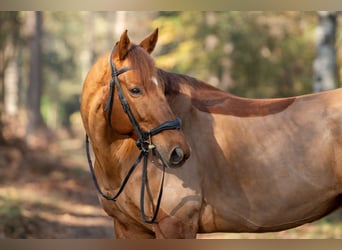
<point>11,99</point>
<point>9,30</point>
<point>35,87</point>
<point>324,66</point>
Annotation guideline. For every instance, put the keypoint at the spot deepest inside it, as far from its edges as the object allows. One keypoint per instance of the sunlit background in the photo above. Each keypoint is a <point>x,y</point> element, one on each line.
<point>45,187</point>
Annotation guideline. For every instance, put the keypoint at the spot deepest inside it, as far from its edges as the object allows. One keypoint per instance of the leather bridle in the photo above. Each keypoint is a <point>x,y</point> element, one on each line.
<point>144,143</point>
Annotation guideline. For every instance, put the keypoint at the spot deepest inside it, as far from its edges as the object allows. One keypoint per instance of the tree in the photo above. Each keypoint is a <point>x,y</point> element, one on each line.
<point>35,87</point>
<point>9,34</point>
<point>324,65</point>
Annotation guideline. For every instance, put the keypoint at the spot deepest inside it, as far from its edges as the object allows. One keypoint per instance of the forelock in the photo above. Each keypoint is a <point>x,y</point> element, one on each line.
<point>142,63</point>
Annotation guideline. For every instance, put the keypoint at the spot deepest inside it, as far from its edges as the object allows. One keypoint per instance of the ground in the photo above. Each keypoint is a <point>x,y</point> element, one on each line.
<point>46,192</point>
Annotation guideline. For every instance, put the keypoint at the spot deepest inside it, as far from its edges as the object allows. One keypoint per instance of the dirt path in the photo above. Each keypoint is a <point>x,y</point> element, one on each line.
<point>48,193</point>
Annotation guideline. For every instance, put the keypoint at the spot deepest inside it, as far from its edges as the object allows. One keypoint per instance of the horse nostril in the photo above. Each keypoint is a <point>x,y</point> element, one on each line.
<point>177,156</point>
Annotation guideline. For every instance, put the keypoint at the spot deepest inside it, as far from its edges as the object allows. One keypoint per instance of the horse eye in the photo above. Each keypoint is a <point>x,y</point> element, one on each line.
<point>135,91</point>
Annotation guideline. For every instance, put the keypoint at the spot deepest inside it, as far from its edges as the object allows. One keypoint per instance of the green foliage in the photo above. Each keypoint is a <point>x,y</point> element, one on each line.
<point>252,54</point>
<point>62,73</point>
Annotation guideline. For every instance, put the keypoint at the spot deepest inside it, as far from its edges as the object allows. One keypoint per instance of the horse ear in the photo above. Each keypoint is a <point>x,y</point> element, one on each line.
<point>124,45</point>
<point>150,42</point>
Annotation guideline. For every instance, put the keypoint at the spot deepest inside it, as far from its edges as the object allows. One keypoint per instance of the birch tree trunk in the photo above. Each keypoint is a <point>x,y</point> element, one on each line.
<point>9,36</point>
<point>324,66</point>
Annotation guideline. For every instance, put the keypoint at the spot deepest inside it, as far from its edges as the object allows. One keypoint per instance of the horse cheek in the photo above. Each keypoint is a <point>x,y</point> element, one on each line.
<point>121,123</point>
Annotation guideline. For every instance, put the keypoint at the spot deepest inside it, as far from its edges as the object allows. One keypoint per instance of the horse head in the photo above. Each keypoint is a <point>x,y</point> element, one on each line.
<point>144,113</point>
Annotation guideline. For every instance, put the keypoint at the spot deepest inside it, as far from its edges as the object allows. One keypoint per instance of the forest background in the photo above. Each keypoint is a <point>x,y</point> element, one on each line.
<point>45,56</point>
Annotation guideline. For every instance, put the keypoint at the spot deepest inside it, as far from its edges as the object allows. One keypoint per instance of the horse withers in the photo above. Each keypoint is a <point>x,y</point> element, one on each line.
<point>256,165</point>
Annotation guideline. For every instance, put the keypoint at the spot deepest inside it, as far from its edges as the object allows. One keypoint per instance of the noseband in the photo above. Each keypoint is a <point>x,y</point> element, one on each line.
<point>144,143</point>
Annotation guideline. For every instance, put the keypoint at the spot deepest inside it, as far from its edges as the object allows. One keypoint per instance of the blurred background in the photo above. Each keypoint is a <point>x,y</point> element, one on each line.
<point>45,187</point>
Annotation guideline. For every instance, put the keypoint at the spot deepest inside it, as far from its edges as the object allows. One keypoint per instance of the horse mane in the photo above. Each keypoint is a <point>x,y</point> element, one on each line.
<point>209,99</point>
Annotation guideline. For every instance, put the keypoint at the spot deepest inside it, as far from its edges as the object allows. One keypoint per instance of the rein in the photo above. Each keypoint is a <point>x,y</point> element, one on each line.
<point>144,144</point>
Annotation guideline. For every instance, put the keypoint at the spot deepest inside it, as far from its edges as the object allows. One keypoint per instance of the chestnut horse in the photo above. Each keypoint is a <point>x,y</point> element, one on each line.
<point>256,165</point>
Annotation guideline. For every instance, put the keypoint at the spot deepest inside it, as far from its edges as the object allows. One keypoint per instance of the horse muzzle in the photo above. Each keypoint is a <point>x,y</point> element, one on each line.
<point>175,157</point>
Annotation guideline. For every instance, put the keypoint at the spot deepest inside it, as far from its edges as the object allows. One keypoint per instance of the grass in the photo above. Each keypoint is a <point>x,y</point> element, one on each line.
<point>10,216</point>
<point>9,210</point>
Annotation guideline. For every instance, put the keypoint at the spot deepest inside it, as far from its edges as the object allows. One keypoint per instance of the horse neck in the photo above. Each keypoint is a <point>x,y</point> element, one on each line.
<point>211,100</point>
<point>114,153</point>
